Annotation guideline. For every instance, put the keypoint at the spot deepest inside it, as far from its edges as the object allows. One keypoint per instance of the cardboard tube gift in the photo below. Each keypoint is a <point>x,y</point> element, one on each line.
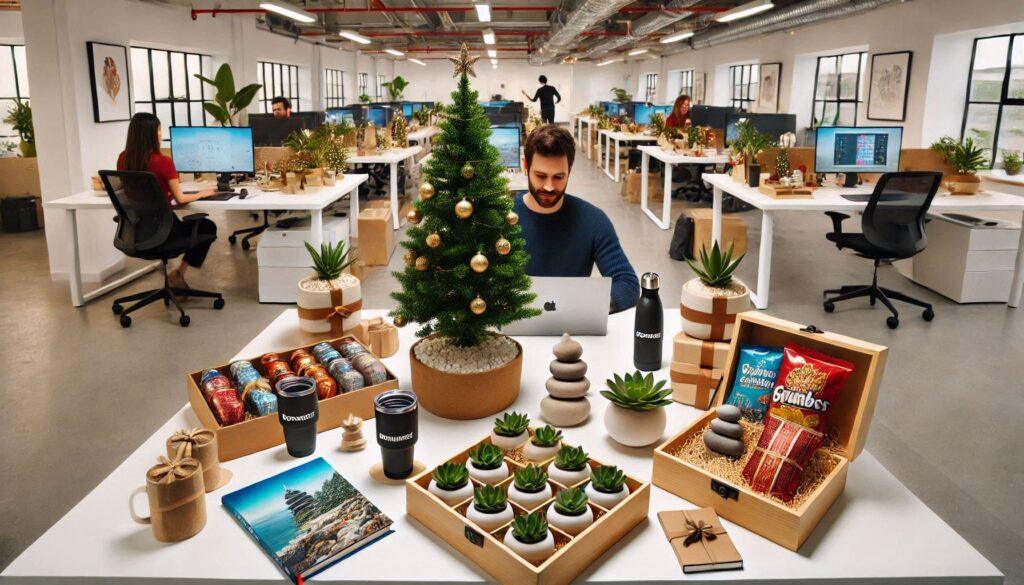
<point>700,352</point>
<point>177,502</point>
<point>201,445</point>
<point>694,385</point>
<point>337,312</point>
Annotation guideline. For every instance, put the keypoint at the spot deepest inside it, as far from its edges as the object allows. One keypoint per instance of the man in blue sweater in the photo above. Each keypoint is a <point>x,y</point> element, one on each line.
<point>566,235</point>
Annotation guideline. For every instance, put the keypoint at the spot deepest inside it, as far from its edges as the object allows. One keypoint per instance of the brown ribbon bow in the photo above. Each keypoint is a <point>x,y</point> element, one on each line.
<point>188,439</point>
<point>335,314</point>
<point>171,471</point>
<point>698,532</point>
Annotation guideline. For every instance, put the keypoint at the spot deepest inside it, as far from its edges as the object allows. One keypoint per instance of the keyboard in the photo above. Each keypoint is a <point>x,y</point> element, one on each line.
<point>222,196</point>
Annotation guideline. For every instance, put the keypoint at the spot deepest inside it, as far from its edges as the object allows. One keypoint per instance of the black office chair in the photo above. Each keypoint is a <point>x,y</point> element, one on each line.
<point>144,222</point>
<point>893,229</point>
<point>250,232</point>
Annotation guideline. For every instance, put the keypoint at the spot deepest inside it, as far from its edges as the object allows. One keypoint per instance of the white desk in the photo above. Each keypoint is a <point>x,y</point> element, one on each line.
<point>669,159</point>
<point>831,199</point>
<point>424,135</point>
<point>618,138</point>
<point>579,123</point>
<point>876,532</point>
<point>391,158</point>
<point>517,180</point>
<point>314,200</point>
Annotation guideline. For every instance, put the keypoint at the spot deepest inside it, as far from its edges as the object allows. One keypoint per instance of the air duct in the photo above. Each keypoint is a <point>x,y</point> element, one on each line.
<point>644,26</point>
<point>566,30</point>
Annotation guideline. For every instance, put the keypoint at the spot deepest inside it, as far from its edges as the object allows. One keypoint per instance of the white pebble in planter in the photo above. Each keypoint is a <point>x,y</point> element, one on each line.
<point>489,521</point>
<point>534,552</point>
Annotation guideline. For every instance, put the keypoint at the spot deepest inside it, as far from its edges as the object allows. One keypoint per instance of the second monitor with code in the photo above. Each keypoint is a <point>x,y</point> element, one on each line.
<point>853,150</point>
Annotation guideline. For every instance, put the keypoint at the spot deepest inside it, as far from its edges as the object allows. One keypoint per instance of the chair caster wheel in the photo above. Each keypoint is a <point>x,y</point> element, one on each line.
<point>167,302</point>
<point>232,239</point>
<point>117,309</point>
<point>829,307</point>
<point>245,244</point>
<point>928,315</point>
<point>184,320</point>
<point>892,322</point>
<point>218,304</point>
<point>126,321</point>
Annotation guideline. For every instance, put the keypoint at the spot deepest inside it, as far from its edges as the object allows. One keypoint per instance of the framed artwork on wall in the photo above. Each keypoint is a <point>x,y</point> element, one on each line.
<point>890,83</point>
<point>768,94</point>
<point>111,88</point>
<point>698,88</point>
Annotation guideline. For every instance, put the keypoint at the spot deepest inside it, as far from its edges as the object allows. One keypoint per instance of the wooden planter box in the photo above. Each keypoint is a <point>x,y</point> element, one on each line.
<point>261,433</point>
<point>573,554</point>
<point>850,416</point>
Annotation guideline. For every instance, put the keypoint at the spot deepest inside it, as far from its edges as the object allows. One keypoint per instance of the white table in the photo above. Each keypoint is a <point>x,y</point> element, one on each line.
<point>314,200</point>
<point>618,138</point>
<point>424,135</point>
<point>876,532</point>
<point>517,180</point>
<point>391,158</point>
<point>831,199</point>
<point>579,123</point>
<point>669,159</point>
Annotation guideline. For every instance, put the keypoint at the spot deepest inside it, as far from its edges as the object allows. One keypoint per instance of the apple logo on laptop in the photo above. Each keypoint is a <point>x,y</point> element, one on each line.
<point>549,306</point>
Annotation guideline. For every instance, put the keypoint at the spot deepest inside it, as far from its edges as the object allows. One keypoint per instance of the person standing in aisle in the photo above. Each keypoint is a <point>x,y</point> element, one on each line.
<point>546,94</point>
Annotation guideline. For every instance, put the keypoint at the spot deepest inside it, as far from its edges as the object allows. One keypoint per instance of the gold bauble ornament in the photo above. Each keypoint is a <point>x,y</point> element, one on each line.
<point>426,191</point>
<point>463,209</point>
<point>478,306</point>
<point>512,218</point>
<point>503,246</point>
<point>468,172</point>
<point>413,216</point>
<point>433,240</point>
<point>479,263</point>
<point>410,258</point>
<point>422,263</point>
<point>399,321</point>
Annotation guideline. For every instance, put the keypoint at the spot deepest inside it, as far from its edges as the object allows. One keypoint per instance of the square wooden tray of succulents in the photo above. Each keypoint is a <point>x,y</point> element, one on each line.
<point>526,506</point>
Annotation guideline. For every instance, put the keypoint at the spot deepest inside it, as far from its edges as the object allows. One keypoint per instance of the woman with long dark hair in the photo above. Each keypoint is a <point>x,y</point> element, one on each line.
<point>142,153</point>
<point>680,116</point>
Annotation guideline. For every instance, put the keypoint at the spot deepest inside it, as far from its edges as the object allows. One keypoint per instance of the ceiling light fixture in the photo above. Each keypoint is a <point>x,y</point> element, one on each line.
<point>394,52</point>
<point>488,36</point>
<point>492,53</point>
<point>494,63</point>
<point>288,11</point>
<point>483,11</point>
<point>417,61</point>
<point>354,37</point>
<point>608,62</point>
<point>745,10</point>
<point>636,52</point>
<point>677,37</point>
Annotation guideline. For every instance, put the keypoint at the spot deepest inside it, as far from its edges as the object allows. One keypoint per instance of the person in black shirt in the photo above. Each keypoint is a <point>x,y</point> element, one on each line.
<point>546,94</point>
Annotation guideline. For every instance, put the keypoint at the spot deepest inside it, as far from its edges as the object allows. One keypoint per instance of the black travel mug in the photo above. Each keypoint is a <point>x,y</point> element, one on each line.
<point>649,325</point>
<point>397,416</point>
<point>298,412</point>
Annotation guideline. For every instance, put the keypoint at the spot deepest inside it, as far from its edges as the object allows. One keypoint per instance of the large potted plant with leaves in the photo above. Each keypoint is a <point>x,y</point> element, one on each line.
<point>20,119</point>
<point>396,87</point>
<point>710,301</point>
<point>227,103</point>
<point>329,300</point>
<point>967,158</point>
<point>635,416</point>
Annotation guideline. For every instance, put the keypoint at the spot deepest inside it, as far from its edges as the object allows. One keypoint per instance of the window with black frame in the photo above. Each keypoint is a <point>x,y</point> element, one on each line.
<point>13,87</point>
<point>837,89</point>
<point>994,109</point>
<point>334,88</point>
<point>164,83</point>
<point>364,82</point>
<point>277,79</point>
<point>380,87</point>
<point>650,87</point>
<point>744,80</point>
<point>686,83</point>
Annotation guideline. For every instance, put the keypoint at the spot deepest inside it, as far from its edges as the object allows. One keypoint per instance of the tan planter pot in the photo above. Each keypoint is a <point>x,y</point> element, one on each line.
<point>665,143</point>
<point>330,178</point>
<point>708,316</point>
<point>739,172</point>
<point>963,184</point>
<point>466,396</point>
<point>336,310</point>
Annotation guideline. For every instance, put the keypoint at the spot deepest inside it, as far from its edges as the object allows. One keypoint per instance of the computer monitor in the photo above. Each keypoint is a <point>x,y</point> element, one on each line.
<point>221,150</point>
<point>340,115</point>
<point>642,113</point>
<point>663,110</point>
<point>408,109</point>
<point>713,116</point>
<point>506,140</point>
<point>852,150</point>
<point>774,125</point>
<point>270,131</point>
<point>612,108</point>
<point>378,115</point>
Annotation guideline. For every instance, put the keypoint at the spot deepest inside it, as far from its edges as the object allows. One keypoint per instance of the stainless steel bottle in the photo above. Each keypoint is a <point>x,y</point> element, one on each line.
<point>649,326</point>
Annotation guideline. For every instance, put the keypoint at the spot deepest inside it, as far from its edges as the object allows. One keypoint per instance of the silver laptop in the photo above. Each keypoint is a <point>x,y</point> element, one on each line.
<point>574,305</point>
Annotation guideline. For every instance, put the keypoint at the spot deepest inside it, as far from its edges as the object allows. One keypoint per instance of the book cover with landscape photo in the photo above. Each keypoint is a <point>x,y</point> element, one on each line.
<point>307,518</point>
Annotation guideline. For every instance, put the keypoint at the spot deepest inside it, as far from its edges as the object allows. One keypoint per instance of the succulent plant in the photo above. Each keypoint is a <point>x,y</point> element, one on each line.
<point>487,456</point>
<point>331,261</point>
<point>571,502</point>
<point>637,392</point>
<point>967,157</point>
<point>511,424</point>
<point>546,436</point>
<point>571,458</point>
<point>451,476</point>
<point>716,268</point>
<point>530,528</point>
<point>607,478</point>
<point>489,499</point>
<point>531,478</point>
<point>1011,161</point>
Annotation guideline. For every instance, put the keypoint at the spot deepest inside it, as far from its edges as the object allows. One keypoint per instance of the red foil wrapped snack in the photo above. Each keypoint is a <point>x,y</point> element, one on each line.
<point>778,461</point>
<point>275,370</point>
<point>326,387</point>
<point>301,359</point>
<point>269,357</point>
<point>222,397</point>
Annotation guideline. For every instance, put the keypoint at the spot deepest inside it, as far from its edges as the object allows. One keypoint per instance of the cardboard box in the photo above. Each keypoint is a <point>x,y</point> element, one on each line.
<point>261,433</point>
<point>631,186</point>
<point>700,352</point>
<point>734,231</point>
<point>694,385</point>
<point>376,236</point>
<point>849,418</point>
<point>19,176</point>
<point>486,549</point>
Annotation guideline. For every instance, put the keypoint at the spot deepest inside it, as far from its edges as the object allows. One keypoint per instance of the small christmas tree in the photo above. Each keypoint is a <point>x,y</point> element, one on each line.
<point>782,163</point>
<point>465,265</point>
<point>400,132</point>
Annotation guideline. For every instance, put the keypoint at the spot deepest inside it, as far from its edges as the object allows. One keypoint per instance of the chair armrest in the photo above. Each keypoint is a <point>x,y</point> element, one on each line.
<point>197,216</point>
<point>837,225</point>
<point>193,219</point>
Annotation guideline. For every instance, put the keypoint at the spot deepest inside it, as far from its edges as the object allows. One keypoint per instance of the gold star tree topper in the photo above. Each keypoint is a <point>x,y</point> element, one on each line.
<point>464,63</point>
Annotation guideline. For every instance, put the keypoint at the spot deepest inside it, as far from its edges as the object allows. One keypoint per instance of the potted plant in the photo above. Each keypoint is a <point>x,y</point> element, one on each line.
<point>570,511</point>
<point>490,509</point>
<point>395,87</point>
<point>312,144</point>
<point>510,430</point>
<point>636,416</point>
<point>421,117</point>
<point>329,299</point>
<point>20,119</point>
<point>530,538</point>
<point>227,103</point>
<point>753,143</point>
<point>450,483</point>
<point>530,487</point>
<point>594,111</point>
<point>487,464</point>
<point>569,466</point>
<point>704,315</point>
<point>543,444</point>
<point>967,158</point>
<point>400,132</point>
<point>364,98</point>
<point>607,486</point>
<point>1011,162</point>
<point>621,95</point>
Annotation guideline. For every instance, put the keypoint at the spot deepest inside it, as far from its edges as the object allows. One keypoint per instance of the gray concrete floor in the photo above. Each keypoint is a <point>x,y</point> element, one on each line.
<point>80,393</point>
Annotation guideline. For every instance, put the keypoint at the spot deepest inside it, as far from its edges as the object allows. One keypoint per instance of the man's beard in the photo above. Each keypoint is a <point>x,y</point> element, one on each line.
<point>546,199</point>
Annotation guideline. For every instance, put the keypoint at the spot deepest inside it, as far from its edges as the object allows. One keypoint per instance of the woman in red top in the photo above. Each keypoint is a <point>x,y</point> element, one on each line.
<point>142,153</point>
<point>680,116</point>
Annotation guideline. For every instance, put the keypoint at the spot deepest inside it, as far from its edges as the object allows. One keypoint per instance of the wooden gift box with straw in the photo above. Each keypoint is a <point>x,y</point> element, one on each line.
<point>573,554</point>
<point>257,434</point>
<point>848,420</point>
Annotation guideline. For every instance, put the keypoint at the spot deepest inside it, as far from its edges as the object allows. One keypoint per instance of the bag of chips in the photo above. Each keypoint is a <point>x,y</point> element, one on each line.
<point>754,381</point>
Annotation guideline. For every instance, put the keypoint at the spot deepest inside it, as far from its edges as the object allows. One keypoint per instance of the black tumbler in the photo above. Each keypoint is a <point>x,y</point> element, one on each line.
<point>297,410</point>
<point>754,175</point>
<point>396,413</point>
<point>648,325</point>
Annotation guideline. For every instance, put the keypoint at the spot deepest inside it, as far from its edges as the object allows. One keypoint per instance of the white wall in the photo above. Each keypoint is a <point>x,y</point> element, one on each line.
<point>10,26</point>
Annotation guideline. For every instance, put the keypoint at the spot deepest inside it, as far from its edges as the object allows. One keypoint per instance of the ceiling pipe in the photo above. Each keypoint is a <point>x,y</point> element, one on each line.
<point>566,29</point>
<point>444,33</point>
<point>684,11</point>
<point>644,26</point>
<point>344,10</point>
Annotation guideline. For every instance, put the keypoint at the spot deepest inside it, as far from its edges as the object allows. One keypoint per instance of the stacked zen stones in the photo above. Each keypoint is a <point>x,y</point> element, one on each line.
<point>567,404</point>
<point>726,434</point>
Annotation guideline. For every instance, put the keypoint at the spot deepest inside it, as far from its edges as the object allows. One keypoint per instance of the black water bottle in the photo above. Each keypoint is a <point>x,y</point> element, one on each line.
<point>650,319</point>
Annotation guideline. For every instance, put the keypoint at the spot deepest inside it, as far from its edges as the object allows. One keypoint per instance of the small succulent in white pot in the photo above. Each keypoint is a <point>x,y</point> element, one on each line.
<point>450,483</point>
<point>607,486</point>
<point>530,487</point>
<point>569,466</point>
<point>530,538</point>
<point>709,303</point>
<point>510,430</point>
<point>543,444</point>
<point>487,464</point>
<point>636,415</point>
<point>490,509</point>
<point>570,511</point>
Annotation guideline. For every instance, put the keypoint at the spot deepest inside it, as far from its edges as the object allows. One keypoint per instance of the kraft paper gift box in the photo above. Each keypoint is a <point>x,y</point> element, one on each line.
<point>694,385</point>
<point>699,352</point>
<point>699,540</point>
<point>376,236</point>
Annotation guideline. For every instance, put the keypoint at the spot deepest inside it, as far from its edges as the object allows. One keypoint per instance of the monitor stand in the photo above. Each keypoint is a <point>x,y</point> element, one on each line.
<point>223,183</point>
<point>851,180</point>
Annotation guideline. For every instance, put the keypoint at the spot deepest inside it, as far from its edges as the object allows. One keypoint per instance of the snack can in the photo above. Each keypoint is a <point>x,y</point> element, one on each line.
<point>269,357</point>
<point>351,348</point>
<point>370,367</point>
<point>347,377</point>
<point>301,359</point>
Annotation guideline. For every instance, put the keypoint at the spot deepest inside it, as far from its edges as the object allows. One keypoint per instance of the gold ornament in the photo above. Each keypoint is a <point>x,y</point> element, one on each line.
<point>410,258</point>
<point>503,246</point>
<point>478,306</point>
<point>399,321</point>
<point>422,263</point>
<point>433,240</point>
<point>426,191</point>
<point>468,171</point>
<point>464,63</point>
<point>413,216</point>
<point>479,263</point>
<point>463,209</point>
<point>512,218</point>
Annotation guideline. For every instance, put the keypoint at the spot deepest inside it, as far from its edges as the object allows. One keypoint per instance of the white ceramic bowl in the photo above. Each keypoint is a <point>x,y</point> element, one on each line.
<point>529,500</point>
<point>489,522</point>
<point>571,525</point>
<point>451,497</point>
<point>533,553</point>
<point>509,443</point>
<point>488,476</point>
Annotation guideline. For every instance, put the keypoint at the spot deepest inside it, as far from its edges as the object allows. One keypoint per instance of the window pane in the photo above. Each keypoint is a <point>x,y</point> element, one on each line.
<point>755,87</point>
<point>22,68</point>
<point>828,118</point>
<point>161,76</point>
<point>181,114</point>
<point>178,74</point>
<point>197,113</point>
<point>163,111</point>
<point>825,87</point>
<point>7,88</point>
<point>847,114</point>
<point>1016,89</point>
<point>194,84</point>
<point>140,74</point>
<point>1011,130</point>
<point>981,123</point>
<point>5,129</point>
<point>989,69</point>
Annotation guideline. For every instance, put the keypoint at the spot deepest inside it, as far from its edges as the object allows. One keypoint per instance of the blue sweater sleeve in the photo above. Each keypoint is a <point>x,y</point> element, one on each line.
<point>611,261</point>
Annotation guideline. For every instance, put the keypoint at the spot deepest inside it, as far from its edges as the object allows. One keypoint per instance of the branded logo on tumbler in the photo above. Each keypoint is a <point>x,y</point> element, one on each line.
<point>393,438</point>
<point>549,306</point>
<point>643,335</point>
<point>300,418</point>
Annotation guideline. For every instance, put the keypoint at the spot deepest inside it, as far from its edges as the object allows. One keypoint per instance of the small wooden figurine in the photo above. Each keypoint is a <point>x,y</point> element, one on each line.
<point>352,438</point>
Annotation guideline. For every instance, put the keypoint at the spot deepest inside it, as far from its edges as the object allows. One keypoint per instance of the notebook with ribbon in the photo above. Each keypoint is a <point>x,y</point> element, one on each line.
<point>699,540</point>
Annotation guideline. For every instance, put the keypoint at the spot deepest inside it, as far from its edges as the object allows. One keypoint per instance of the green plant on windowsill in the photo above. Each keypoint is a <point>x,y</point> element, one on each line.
<point>621,95</point>
<point>1011,162</point>
<point>227,103</point>
<point>20,119</point>
<point>396,87</point>
<point>967,157</point>
<point>364,98</point>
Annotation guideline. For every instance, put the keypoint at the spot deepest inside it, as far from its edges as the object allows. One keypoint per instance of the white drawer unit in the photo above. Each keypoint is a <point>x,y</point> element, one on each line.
<point>283,259</point>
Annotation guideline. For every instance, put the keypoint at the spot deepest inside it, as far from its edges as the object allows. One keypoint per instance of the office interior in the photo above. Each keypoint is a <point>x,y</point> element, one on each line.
<point>83,390</point>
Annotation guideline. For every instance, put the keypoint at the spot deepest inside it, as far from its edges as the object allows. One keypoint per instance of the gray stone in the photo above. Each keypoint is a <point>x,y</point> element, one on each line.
<point>569,371</point>
<point>565,413</point>
<point>726,428</point>
<point>562,389</point>
<point>729,413</point>
<point>568,349</point>
<point>723,445</point>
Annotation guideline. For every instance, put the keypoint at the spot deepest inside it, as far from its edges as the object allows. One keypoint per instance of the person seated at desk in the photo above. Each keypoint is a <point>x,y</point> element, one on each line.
<point>281,107</point>
<point>565,235</point>
<point>142,153</point>
<point>680,116</point>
